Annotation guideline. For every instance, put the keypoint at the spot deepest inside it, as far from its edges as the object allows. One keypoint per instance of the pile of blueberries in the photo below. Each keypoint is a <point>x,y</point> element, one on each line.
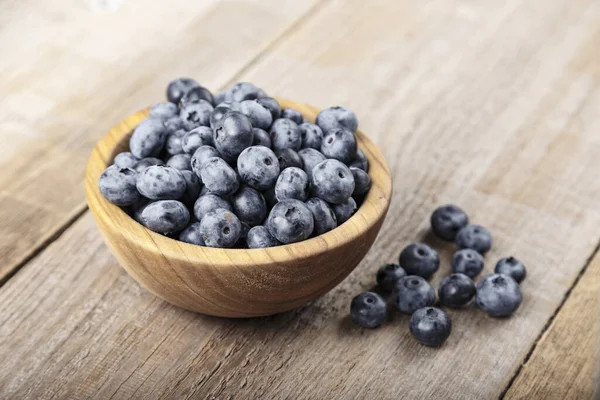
<point>498,294</point>
<point>237,170</point>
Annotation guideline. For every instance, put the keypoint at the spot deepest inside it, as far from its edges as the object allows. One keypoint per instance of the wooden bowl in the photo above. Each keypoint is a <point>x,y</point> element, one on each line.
<point>236,282</point>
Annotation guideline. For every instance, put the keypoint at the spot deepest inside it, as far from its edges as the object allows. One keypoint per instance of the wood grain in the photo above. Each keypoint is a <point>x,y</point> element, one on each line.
<point>563,364</point>
<point>237,282</point>
<point>491,105</point>
<point>67,71</point>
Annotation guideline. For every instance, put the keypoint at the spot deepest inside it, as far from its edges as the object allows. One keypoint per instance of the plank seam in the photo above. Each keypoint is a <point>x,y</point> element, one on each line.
<point>550,321</point>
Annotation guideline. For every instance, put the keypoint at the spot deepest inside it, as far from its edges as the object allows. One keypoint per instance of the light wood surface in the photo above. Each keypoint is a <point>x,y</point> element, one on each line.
<point>70,73</point>
<point>237,282</point>
<point>492,105</point>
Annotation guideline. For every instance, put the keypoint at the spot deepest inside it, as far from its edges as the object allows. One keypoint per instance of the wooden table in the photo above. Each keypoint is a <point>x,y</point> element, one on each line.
<point>493,105</point>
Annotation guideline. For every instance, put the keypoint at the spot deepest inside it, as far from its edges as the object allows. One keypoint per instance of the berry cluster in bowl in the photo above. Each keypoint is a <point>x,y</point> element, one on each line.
<point>498,294</point>
<point>236,170</point>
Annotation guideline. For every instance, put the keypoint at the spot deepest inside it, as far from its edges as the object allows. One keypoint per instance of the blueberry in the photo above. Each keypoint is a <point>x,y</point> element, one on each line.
<point>200,136</point>
<point>196,94</point>
<point>389,275</point>
<point>220,228</point>
<point>165,216</point>
<point>292,183</point>
<point>290,221</point>
<point>218,176</point>
<point>474,237</point>
<point>208,203</point>
<point>219,97</point>
<point>447,220</point>
<point>192,234</point>
<point>192,188</point>
<point>272,105</point>
<point>468,262</point>
<point>337,117</point>
<point>117,185</point>
<point>310,158</point>
<point>292,114</point>
<point>345,210</point>
<point>360,161</point>
<point>178,88</point>
<point>125,160</point>
<point>288,158</point>
<point>261,138</point>
<point>362,181</point>
<point>411,293</point>
<point>196,114</point>
<point>456,290</point>
<point>249,205</point>
<point>339,144</point>
<point>332,181</point>
<point>243,91</point>
<point>164,111</point>
<point>173,124</point>
<point>147,162</point>
<point>220,111</point>
<point>148,138</point>
<point>285,134</point>
<point>259,116</point>
<point>161,183</point>
<point>323,216</point>
<point>173,144</point>
<point>258,167</point>
<point>138,208</point>
<point>368,310</point>
<point>498,295</point>
<point>180,162</point>
<point>311,135</point>
<point>419,259</point>
<point>512,267</point>
<point>233,134</point>
<point>260,238</point>
<point>202,154</point>
<point>430,326</point>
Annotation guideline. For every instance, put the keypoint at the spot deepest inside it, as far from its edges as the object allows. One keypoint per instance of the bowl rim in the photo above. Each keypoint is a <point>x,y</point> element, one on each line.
<point>373,208</point>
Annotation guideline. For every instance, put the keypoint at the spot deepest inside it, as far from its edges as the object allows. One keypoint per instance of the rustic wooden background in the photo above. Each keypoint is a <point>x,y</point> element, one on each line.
<point>494,105</point>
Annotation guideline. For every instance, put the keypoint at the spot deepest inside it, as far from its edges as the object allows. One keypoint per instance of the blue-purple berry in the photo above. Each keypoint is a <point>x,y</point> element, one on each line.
<point>368,310</point>
<point>310,158</point>
<point>388,276</point>
<point>285,134</point>
<point>288,158</point>
<point>191,234</point>
<point>468,262</point>
<point>164,111</point>
<point>161,183</point>
<point>261,138</point>
<point>196,114</point>
<point>332,181</point>
<point>173,145</point>
<point>218,176</point>
<point>362,182</point>
<point>209,202</point>
<point>430,326</point>
<point>258,167</point>
<point>260,238</point>
<point>178,88</point>
<point>195,94</point>
<point>360,161</point>
<point>411,293</point>
<point>344,210</point>
<point>512,267</point>
<point>197,137</point>
<point>220,228</point>
<point>290,221</point>
<point>192,188</point>
<point>173,124</point>
<point>220,110</point>
<point>233,134</point>
<point>243,91</point>
<point>447,221</point>
<point>312,136</point>
<point>456,290</point>
<point>474,237</point>
<point>293,114</point>
<point>118,185</point>
<point>180,162</point>
<point>148,138</point>
<point>202,154</point>
<point>125,160</point>
<point>292,183</point>
<point>249,205</point>
<point>340,144</point>
<point>499,295</point>
<point>419,259</point>
<point>165,216</point>
<point>147,162</point>
<point>323,216</point>
<point>337,117</point>
<point>272,105</point>
<point>259,116</point>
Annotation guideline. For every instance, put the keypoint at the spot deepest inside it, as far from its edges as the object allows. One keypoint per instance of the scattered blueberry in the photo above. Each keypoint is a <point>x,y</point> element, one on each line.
<point>339,144</point>
<point>118,185</point>
<point>389,275</point>
<point>261,138</point>
<point>332,181</point>
<point>292,114</point>
<point>290,221</point>
<point>218,176</point>
<point>362,181</point>
<point>178,88</point>
<point>196,114</point>
<point>259,116</point>
<point>498,295</point>
<point>456,290</point>
<point>285,134</point>
<point>368,310</point>
<point>164,111</point>
<point>161,183</point>
<point>512,267</point>
<point>288,158</point>
<point>292,183</point>
<point>220,228</point>
<point>430,326</point>
<point>310,158</point>
<point>343,211</point>
<point>337,117</point>
<point>419,259</point>
<point>258,167</point>
<point>165,216</point>
<point>208,203</point>
<point>196,94</point>
<point>468,262</point>
<point>323,216</point>
<point>180,162</point>
<point>249,205</point>
<point>311,135</point>
<point>447,220</point>
<point>360,161</point>
<point>272,105</point>
<point>233,134</point>
<point>200,136</point>
<point>125,160</point>
<point>192,234</point>
<point>259,238</point>
<point>411,293</point>
<point>474,237</point>
<point>148,138</point>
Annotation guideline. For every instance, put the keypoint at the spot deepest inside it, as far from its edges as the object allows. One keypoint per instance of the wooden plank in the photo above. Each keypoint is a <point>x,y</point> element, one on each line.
<point>70,78</point>
<point>563,365</point>
<point>492,105</point>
